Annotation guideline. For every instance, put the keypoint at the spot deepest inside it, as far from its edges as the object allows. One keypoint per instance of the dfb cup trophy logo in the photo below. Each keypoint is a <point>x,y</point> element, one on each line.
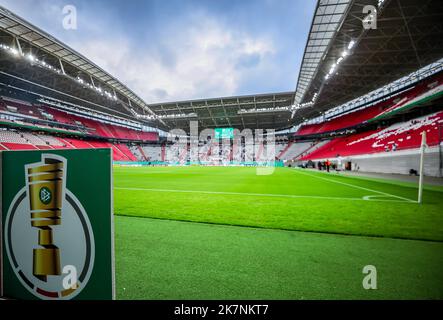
<point>48,229</point>
<point>44,181</point>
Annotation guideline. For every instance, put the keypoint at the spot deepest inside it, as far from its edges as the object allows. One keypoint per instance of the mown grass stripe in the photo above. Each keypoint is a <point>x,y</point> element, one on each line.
<point>257,194</point>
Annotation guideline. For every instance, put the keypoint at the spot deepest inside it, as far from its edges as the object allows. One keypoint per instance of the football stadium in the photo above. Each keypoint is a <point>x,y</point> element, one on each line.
<point>333,190</point>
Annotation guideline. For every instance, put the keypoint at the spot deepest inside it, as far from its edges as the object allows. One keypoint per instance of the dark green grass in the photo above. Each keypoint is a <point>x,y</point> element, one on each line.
<point>161,259</point>
<point>167,259</point>
<point>393,217</point>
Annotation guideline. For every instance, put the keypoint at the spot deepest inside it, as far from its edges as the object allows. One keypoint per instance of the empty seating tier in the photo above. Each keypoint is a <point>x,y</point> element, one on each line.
<point>400,136</point>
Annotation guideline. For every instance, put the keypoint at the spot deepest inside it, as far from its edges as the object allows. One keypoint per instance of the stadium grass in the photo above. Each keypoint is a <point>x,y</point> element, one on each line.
<point>163,259</point>
<point>288,199</point>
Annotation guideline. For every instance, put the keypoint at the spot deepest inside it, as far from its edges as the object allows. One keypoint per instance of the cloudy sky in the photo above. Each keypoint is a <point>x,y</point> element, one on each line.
<point>168,50</point>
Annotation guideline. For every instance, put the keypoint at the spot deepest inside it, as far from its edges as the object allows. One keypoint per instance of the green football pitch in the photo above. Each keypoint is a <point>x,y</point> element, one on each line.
<point>235,233</point>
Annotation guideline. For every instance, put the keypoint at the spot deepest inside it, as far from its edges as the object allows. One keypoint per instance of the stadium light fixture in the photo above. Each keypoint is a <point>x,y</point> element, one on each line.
<point>264,110</point>
<point>177,116</point>
<point>30,57</point>
<point>351,44</point>
<point>294,108</point>
<point>344,54</point>
<point>14,51</point>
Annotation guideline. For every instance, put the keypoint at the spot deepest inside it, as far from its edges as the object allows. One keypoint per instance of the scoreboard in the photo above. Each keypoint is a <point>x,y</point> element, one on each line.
<point>224,133</point>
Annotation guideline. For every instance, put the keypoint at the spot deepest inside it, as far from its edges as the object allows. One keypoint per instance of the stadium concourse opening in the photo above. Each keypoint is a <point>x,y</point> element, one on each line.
<point>304,194</point>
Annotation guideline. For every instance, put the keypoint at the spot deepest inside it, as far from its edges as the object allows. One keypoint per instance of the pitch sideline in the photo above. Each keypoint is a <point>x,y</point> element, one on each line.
<point>356,187</point>
<point>365,198</point>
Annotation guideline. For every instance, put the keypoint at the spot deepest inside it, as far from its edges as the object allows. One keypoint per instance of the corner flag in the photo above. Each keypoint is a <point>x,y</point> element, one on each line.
<point>422,158</point>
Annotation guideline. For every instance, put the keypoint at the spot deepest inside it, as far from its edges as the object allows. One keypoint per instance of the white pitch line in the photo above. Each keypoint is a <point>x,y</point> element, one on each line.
<point>255,194</point>
<point>357,187</point>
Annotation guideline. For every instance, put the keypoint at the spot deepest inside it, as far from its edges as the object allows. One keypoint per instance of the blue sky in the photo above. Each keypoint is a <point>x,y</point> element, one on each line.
<point>184,49</point>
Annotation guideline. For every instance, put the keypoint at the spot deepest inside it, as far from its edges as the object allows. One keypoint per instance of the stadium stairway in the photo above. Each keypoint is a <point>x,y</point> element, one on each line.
<point>142,153</point>
<point>283,151</point>
<point>135,150</point>
<point>125,150</point>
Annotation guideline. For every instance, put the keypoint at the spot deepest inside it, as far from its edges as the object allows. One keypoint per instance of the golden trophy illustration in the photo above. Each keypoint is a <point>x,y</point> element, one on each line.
<point>45,183</point>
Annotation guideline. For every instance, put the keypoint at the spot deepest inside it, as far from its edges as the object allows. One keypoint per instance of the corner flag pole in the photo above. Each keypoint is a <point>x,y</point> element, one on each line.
<point>422,158</point>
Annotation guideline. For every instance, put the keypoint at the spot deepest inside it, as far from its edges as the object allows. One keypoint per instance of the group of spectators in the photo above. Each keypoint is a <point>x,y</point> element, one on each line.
<point>326,165</point>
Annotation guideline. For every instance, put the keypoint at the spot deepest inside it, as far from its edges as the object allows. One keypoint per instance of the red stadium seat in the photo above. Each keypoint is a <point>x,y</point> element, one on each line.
<point>405,135</point>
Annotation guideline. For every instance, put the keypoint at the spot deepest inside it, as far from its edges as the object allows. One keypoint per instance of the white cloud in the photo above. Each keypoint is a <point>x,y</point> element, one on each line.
<point>205,59</point>
<point>205,62</point>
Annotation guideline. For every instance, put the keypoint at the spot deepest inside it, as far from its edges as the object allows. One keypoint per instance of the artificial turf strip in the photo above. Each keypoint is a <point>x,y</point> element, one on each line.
<point>252,206</point>
<point>162,259</point>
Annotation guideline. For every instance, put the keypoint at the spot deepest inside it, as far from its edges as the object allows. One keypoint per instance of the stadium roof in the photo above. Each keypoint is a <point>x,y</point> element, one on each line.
<point>27,38</point>
<point>409,35</point>
<point>267,111</point>
<point>264,111</point>
<point>342,61</point>
<point>327,18</point>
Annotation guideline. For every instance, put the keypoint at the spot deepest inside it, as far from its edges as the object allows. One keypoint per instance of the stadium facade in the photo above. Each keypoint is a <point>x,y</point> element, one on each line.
<point>363,99</point>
